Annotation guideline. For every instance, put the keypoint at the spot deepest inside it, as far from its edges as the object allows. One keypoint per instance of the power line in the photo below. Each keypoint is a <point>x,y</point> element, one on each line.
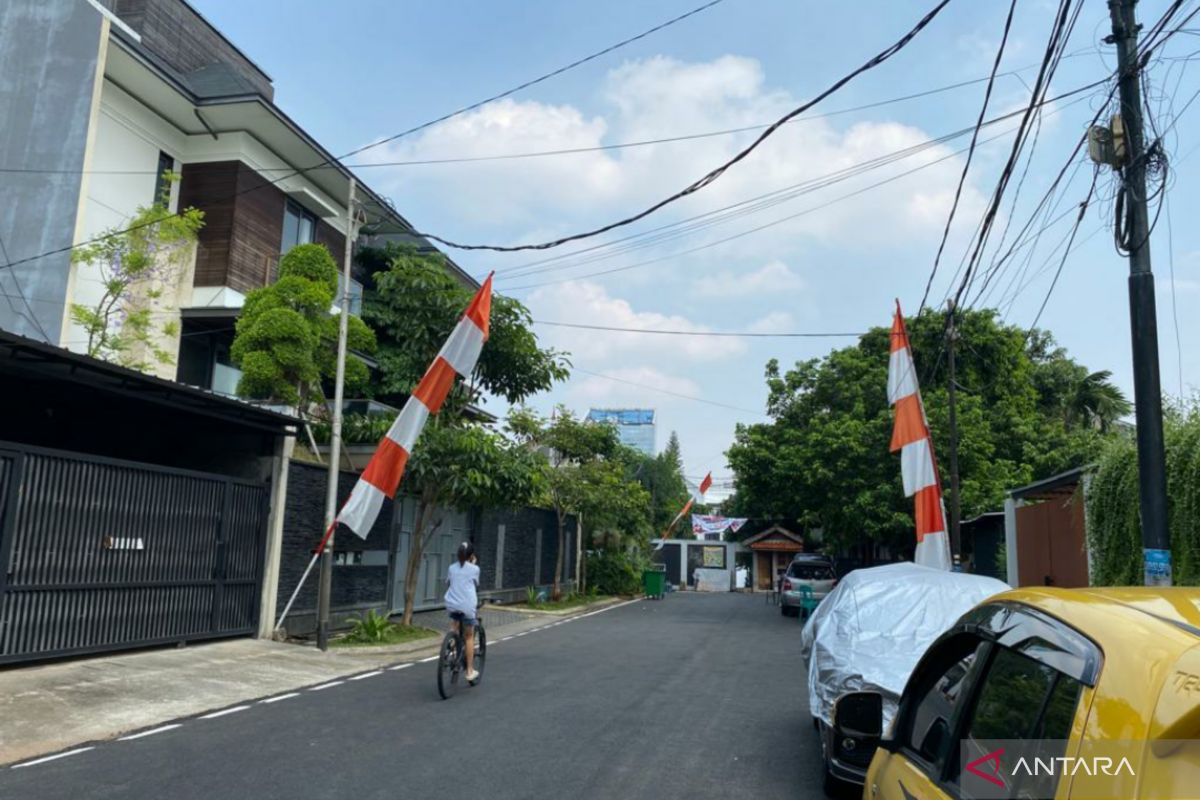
<point>717,172</point>
<point>737,334</point>
<point>572,150</point>
<point>962,178</point>
<point>333,162</point>
<point>761,202</point>
<point>748,232</point>
<point>667,391</point>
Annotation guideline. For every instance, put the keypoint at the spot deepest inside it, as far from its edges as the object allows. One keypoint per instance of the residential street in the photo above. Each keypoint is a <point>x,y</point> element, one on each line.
<point>695,696</point>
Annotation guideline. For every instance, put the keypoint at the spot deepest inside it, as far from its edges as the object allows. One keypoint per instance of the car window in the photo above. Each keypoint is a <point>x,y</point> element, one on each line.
<point>929,728</point>
<point>1021,698</point>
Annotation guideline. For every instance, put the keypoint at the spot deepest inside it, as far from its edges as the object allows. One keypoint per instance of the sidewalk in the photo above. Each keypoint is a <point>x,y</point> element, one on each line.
<point>51,707</point>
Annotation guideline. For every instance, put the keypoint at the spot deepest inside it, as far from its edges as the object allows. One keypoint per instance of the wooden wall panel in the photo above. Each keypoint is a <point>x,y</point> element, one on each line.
<point>257,232</point>
<point>332,239</point>
<point>211,187</point>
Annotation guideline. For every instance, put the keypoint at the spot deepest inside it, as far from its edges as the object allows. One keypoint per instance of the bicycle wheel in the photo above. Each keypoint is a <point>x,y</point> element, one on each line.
<point>480,652</point>
<point>448,666</point>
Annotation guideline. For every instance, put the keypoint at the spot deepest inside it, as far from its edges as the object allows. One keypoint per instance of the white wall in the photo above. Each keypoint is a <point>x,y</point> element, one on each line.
<point>124,160</point>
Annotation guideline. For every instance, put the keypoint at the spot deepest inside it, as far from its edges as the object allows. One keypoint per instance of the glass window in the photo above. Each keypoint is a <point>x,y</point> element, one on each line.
<point>930,730</point>
<point>162,186</point>
<point>356,295</point>
<point>299,226</point>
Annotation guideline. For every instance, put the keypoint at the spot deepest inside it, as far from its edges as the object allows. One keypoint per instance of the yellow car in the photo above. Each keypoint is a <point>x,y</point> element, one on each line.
<point>1054,693</point>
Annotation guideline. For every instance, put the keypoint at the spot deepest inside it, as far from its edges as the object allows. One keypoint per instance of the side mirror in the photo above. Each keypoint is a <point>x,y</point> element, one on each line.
<point>859,715</point>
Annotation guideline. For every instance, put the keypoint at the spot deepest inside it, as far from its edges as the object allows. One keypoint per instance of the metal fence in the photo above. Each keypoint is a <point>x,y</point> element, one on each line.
<point>100,554</point>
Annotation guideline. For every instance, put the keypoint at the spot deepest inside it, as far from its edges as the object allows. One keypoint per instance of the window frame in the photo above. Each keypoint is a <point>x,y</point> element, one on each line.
<point>302,215</point>
<point>166,163</point>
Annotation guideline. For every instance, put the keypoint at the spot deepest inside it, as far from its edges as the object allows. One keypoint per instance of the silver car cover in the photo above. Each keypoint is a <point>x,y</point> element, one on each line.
<point>873,628</point>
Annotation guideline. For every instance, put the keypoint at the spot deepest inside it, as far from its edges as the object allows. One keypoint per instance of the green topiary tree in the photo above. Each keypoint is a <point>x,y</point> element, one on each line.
<point>286,340</point>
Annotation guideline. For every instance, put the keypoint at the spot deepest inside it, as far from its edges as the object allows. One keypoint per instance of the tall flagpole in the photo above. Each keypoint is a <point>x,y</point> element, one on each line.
<point>325,584</point>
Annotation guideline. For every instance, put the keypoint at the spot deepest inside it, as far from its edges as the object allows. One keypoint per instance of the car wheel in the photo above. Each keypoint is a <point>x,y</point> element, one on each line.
<point>783,609</point>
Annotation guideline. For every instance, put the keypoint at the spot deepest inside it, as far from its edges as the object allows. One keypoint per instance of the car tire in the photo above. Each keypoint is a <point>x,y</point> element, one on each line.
<point>783,609</point>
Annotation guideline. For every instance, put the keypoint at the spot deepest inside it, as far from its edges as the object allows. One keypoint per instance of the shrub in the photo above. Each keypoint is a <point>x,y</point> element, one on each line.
<point>373,627</point>
<point>615,572</point>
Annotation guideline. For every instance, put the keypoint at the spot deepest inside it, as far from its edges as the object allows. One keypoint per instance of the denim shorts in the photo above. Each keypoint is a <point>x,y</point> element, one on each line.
<point>459,616</point>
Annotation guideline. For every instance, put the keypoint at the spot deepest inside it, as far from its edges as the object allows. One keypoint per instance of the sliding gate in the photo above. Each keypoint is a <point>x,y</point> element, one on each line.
<point>99,554</point>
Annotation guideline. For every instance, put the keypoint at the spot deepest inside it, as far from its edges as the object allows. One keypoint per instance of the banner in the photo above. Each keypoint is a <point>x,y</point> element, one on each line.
<point>703,524</point>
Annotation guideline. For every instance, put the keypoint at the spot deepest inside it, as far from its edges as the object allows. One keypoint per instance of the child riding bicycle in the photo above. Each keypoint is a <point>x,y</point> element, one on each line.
<point>462,601</point>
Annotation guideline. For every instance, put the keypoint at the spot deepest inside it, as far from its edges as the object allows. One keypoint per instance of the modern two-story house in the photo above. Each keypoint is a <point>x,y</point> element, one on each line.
<point>123,92</point>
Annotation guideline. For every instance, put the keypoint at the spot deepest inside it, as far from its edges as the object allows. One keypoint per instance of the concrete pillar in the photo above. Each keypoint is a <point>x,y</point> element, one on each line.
<point>274,543</point>
<point>1010,539</point>
<point>499,556</point>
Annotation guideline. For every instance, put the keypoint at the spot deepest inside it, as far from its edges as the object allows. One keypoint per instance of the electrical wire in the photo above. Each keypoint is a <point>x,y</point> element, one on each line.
<point>714,174</point>
<point>734,334</point>
<point>334,161</point>
<point>962,178</point>
<point>668,392</point>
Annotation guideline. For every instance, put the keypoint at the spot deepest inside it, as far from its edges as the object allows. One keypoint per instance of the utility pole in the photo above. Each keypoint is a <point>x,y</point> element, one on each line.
<point>325,583</point>
<point>1147,392</point>
<point>955,512</point>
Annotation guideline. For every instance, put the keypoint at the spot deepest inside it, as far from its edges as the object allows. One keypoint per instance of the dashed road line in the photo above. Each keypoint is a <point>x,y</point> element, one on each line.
<point>277,698</point>
<point>54,757</point>
<point>329,685</point>
<point>427,660</point>
<point>400,666</point>
<point>367,675</point>
<point>223,712</point>
<point>151,732</point>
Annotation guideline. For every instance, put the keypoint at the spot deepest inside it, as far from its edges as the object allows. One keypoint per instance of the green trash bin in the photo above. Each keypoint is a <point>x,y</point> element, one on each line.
<point>654,582</point>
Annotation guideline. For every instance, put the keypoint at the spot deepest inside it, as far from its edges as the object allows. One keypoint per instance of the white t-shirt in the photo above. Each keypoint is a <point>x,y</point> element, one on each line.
<point>461,595</point>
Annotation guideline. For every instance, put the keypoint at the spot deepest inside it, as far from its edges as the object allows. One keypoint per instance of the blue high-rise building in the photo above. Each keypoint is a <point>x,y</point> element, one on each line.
<point>635,426</point>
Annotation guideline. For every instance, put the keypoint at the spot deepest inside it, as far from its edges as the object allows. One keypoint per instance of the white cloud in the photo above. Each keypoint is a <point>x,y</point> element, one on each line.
<point>774,276</point>
<point>632,386</point>
<point>774,322</point>
<point>584,302</point>
<point>662,97</point>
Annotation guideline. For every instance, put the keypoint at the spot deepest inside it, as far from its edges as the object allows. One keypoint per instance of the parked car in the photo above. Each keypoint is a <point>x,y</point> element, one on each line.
<point>869,635</point>
<point>814,572</point>
<point>1045,692</point>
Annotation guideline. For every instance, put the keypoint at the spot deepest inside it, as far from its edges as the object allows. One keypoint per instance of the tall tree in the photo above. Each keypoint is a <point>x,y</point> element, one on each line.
<point>585,471</point>
<point>413,303</point>
<point>824,459</point>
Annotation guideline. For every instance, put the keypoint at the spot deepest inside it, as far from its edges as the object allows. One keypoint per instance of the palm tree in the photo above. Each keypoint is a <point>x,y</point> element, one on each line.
<point>1095,401</point>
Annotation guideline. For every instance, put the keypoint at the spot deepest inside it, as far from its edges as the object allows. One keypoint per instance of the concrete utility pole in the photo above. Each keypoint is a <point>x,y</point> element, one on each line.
<point>325,582</point>
<point>1147,392</point>
<point>955,511</point>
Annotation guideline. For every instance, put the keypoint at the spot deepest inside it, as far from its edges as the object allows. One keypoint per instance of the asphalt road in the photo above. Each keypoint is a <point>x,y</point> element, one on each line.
<point>695,696</point>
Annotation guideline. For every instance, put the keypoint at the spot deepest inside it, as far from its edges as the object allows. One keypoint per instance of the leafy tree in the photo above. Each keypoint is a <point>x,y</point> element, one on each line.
<point>662,477</point>
<point>824,460</point>
<point>286,340</point>
<point>459,464</point>
<point>413,303</point>
<point>584,471</point>
<point>135,262</point>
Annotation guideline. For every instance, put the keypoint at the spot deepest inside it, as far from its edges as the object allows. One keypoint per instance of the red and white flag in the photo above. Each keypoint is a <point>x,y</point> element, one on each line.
<point>704,486</point>
<point>382,476</point>
<point>918,466</point>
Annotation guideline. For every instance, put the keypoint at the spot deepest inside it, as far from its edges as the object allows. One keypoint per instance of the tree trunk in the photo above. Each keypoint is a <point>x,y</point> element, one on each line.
<point>558,561</point>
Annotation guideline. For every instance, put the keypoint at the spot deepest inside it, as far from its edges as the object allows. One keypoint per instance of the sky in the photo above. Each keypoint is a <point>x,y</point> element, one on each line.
<point>830,260</point>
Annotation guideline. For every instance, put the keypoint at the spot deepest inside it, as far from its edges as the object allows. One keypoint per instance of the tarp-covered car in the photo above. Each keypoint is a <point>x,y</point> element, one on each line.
<point>869,634</point>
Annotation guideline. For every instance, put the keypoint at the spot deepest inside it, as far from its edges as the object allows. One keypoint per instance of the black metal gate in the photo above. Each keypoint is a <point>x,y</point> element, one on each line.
<point>100,554</point>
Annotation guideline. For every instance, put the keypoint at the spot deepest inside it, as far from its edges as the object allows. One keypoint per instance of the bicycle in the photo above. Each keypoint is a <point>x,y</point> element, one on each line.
<point>452,660</point>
